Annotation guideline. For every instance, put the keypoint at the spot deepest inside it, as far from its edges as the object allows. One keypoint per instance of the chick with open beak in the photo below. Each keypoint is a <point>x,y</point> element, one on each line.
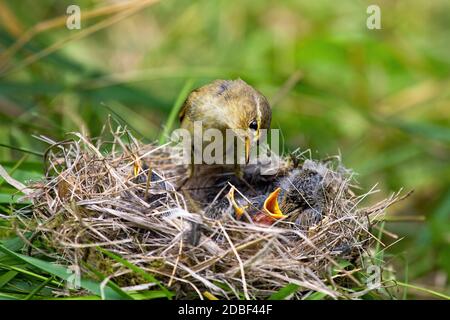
<point>298,197</point>
<point>228,105</point>
<point>261,209</point>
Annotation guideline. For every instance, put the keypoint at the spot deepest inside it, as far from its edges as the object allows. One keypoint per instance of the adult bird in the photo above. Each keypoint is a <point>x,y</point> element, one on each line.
<point>226,105</point>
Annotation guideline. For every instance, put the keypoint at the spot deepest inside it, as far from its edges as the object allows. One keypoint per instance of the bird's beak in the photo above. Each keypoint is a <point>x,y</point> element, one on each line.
<point>136,168</point>
<point>247,150</point>
<point>239,211</point>
<point>271,205</point>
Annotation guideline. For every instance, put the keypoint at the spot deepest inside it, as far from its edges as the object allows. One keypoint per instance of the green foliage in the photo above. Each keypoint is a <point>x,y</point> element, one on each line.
<point>378,97</point>
<point>137,270</point>
<point>285,292</point>
<point>51,269</point>
<point>24,277</point>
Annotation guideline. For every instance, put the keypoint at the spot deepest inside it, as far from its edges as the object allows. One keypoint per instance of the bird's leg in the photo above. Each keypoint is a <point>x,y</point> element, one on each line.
<point>191,168</point>
<point>238,171</point>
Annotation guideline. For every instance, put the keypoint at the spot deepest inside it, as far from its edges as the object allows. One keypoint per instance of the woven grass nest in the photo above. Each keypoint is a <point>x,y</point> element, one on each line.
<point>91,197</point>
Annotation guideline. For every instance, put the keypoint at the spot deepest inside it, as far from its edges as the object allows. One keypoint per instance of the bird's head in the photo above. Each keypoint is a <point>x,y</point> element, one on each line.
<point>235,105</point>
<point>253,121</point>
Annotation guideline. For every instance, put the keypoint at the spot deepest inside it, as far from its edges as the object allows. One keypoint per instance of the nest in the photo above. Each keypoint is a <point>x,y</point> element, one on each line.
<point>96,193</point>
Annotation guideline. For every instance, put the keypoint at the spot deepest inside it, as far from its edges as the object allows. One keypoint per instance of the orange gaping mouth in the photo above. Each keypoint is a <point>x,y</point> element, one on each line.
<point>271,205</point>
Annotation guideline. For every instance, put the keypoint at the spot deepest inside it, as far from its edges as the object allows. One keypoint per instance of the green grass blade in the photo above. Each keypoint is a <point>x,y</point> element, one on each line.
<point>38,289</point>
<point>285,292</point>
<point>379,252</point>
<point>148,295</point>
<point>6,296</point>
<point>9,198</point>
<point>77,298</point>
<point>113,286</point>
<point>405,291</point>
<point>429,291</point>
<point>15,167</point>
<point>138,270</point>
<point>7,277</point>
<point>34,153</point>
<point>27,273</point>
<point>63,273</point>
<point>176,110</point>
<point>316,296</point>
<point>13,244</point>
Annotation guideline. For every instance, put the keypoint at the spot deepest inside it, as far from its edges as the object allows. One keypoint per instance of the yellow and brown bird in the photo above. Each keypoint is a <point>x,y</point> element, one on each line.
<point>228,104</point>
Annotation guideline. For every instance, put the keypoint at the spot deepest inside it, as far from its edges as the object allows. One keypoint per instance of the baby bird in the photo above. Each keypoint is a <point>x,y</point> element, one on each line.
<point>228,104</point>
<point>258,209</point>
<point>300,196</point>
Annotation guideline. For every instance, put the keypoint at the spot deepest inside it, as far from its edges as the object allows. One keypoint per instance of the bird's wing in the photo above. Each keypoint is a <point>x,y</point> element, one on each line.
<point>183,110</point>
<point>189,100</point>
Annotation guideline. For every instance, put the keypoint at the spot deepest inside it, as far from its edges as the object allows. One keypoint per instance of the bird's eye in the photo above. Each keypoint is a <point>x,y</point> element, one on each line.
<point>253,125</point>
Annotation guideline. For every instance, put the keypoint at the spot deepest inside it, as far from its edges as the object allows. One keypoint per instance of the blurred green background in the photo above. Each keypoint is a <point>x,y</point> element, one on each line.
<point>379,98</point>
